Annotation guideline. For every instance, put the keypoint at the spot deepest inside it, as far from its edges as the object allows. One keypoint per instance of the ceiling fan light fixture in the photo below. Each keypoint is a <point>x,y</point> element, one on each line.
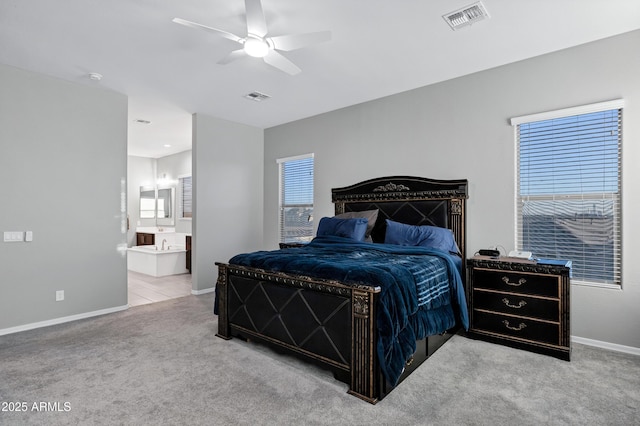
<point>256,47</point>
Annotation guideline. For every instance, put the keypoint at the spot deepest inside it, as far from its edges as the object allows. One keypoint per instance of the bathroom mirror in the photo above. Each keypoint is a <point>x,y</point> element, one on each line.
<point>147,202</point>
<point>158,204</point>
<point>165,206</point>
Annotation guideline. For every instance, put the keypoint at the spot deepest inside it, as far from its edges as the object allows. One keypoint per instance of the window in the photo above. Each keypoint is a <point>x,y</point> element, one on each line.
<point>568,189</point>
<point>185,207</point>
<point>296,199</point>
<point>147,208</point>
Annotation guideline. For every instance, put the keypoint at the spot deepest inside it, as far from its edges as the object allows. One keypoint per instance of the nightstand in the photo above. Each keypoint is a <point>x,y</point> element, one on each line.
<point>520,303</point>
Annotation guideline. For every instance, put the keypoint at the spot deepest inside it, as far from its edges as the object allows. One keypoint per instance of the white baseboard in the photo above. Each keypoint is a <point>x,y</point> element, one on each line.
<point>10,330</point>
<point>205,291</point>
<point>606,345</point>
<point>61,320</point>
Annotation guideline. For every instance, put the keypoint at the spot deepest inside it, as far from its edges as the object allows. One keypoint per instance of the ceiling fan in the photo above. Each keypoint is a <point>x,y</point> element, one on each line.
<point>258,45</point>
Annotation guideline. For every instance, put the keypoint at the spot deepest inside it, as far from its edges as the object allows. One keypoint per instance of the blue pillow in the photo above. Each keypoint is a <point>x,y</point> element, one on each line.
<point>425,236</point>
<point>348,228</point>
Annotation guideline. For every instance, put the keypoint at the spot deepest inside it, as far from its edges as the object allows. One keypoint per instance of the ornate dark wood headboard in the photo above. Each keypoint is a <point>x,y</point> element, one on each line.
<point>411,200</point>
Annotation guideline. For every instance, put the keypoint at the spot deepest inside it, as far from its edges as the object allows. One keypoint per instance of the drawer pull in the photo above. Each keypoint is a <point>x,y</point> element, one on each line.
<point>518,306</point>
<point>518,328</point>
<point>518,284</point>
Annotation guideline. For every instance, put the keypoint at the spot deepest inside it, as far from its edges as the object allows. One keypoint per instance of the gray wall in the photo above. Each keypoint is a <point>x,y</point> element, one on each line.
<point>228,198</point>
<point>459,129</point>
<point>63,156</point>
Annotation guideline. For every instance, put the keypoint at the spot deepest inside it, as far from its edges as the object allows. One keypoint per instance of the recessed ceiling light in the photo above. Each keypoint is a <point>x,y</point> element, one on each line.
<point>166,145</point>
<point>95,76</point>
<point>140,121</point>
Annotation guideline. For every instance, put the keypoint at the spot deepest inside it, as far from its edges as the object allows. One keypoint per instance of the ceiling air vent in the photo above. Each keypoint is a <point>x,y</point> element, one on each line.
<point>257,96</point>
<point>466,16</point>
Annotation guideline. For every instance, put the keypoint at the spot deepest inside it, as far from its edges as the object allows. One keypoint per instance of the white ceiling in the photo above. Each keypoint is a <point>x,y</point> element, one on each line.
<point>378,48</point>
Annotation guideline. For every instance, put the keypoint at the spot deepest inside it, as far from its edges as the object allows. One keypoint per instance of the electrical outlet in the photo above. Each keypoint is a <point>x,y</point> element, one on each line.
<point>59,295</point>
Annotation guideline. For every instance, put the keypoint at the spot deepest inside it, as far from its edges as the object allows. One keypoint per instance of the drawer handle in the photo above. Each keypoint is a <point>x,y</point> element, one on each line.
<point>518,328</point>
<point>518,284</point>
<point>518,306</point>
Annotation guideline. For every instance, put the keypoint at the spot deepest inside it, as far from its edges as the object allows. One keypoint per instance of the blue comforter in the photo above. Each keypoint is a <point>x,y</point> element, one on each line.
<point>420,287</point>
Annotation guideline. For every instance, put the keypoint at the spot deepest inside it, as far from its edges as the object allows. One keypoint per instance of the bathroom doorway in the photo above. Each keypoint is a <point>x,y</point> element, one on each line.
<point>160,161</point>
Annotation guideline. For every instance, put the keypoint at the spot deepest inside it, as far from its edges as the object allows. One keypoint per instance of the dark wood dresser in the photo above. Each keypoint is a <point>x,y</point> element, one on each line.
<point>520,303</point>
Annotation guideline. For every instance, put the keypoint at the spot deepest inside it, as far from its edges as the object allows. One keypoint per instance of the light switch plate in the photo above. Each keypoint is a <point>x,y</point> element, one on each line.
<point>28,236</point>
<point>13,236</point>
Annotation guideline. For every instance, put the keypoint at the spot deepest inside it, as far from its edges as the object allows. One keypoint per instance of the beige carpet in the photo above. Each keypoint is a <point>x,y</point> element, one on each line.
<point>161,364</point>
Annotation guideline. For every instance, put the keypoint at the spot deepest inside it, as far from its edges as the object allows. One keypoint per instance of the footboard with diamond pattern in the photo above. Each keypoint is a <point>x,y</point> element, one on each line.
<point>327,322</point>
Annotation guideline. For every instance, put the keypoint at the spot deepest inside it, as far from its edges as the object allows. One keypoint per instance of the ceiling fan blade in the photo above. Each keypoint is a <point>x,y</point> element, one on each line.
<point>204,27</point>
<point>236,54</point>
<point>296,41</point>
<point>256,24</point>
<point>275,59</point>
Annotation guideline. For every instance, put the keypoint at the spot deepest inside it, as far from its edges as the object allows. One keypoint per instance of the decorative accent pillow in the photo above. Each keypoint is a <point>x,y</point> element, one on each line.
<point>424,236</point>
<point>370,215</point>
<point>348,228</point>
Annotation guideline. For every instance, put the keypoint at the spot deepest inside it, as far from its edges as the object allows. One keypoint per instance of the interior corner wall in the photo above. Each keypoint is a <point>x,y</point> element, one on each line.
<point>63,168</point>
<point>227,194</point>
<point>460,129</point>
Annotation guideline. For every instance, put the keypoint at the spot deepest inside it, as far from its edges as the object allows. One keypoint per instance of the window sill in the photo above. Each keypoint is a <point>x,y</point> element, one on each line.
<point>597,285</point>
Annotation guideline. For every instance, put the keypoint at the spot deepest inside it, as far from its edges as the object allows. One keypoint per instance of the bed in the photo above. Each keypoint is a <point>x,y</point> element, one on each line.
<point>346,324</point>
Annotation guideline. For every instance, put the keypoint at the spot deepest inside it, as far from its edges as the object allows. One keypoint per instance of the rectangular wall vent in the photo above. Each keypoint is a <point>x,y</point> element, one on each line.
<point>257,96</point>
<point>466,16</point>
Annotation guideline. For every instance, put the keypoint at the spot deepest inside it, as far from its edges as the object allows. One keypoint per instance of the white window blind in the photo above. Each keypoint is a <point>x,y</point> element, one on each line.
<point>186,209</point>
<point>296,199</point>
<point>568,198</point>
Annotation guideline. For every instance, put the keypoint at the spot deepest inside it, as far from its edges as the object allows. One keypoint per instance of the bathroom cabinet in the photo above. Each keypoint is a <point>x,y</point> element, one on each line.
<point>188,247</point>
<point>145,239</point>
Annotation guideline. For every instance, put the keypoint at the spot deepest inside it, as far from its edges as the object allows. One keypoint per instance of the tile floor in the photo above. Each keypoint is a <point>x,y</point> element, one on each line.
<point>145,289</point>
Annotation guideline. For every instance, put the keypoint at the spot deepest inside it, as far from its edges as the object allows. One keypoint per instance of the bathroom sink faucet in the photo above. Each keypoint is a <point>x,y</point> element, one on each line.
<point>163,241</point>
